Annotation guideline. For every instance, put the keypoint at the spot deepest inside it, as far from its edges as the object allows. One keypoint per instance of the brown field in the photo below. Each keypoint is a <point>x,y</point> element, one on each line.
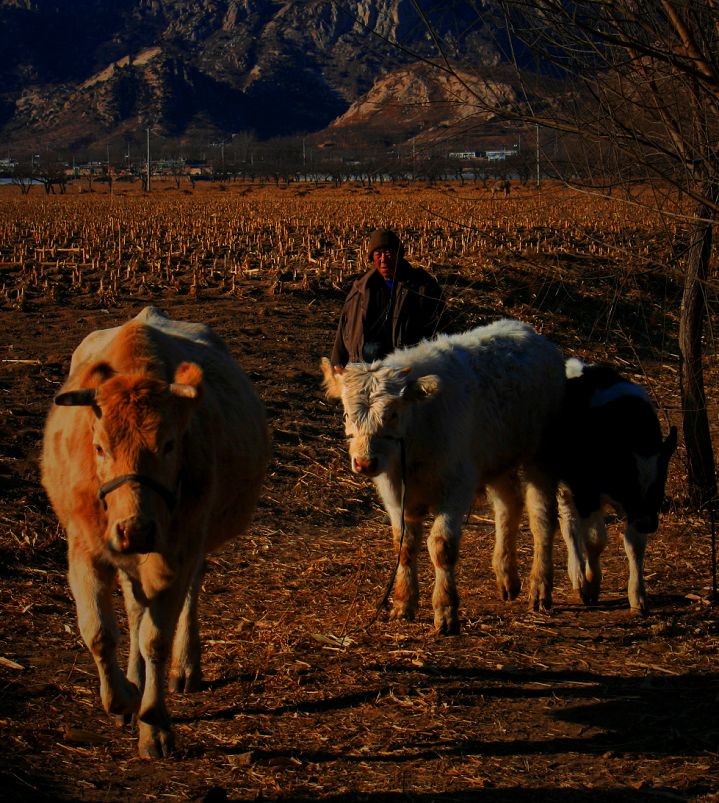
<point>305,696</point>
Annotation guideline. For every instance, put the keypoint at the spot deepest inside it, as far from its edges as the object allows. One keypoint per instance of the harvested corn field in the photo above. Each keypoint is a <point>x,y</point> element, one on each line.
<point>308,693</point>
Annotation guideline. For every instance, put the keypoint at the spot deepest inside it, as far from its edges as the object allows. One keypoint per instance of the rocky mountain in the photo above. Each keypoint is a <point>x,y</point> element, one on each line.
<point>76,73</point>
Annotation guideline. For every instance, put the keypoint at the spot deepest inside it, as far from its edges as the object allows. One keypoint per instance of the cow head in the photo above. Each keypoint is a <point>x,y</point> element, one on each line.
<point>643,508</point>
<point>378,402</point>
<point>136,441</point>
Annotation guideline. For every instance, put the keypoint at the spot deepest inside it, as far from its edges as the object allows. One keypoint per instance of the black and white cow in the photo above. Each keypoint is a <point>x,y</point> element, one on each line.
<point>610,451</point>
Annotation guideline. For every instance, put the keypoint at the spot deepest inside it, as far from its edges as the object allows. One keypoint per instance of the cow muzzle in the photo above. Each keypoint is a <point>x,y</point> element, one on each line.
<point>365,465</point>
<point>133,536</point>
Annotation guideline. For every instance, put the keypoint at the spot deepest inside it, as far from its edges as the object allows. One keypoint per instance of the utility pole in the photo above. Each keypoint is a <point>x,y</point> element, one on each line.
<point>148,161</point>
<point>538,172</point>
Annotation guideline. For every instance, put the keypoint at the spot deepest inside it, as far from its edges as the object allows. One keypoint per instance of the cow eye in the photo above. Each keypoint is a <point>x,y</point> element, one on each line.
<point>168,447</point>
<point>99,451</point>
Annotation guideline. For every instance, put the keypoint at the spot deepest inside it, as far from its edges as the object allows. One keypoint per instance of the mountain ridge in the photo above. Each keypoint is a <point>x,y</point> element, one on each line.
<point>201,70</point>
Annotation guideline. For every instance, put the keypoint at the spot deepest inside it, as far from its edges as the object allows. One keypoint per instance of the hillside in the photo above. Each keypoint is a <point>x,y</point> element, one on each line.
<point>92,73</point>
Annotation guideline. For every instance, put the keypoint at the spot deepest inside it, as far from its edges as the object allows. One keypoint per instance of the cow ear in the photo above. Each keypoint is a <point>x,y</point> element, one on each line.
<point>188,381</point>
<point>331,379</point>
<point>85,397</point>
<point>421,389</point>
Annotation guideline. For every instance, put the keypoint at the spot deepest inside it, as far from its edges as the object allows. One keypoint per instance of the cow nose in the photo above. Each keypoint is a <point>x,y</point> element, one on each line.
<point>364,465</point>
<point>133,536</point>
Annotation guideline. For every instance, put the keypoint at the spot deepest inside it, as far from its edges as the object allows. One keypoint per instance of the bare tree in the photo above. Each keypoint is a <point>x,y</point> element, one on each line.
<point>643,78</point>
<point>23,176</point>
<point>634,84</point>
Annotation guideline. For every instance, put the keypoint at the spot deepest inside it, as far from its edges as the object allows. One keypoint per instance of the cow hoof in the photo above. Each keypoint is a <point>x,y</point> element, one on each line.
<point>540,604</point>
<point>123,702</point>
<point>589,593</point>
<point>509,590</point>
<point>447,629</point>
<point>540,595</point>
<point>400,612</point>
<point>185,682</point>
<point>123,720</point>
<point>155,742</point>
<point>640,610</point>
<point>446,623</point>
<point>589,598</point>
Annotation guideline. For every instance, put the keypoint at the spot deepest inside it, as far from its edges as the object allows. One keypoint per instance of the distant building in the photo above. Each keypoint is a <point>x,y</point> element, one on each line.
<point>463,155</point>
<point>501,153</point>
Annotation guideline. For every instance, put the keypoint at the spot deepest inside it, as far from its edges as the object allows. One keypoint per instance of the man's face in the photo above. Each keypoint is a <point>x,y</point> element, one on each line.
<point>385,260</point>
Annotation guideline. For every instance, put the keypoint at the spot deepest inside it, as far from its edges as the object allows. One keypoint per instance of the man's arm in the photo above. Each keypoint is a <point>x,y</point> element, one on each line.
<point>340,355</point>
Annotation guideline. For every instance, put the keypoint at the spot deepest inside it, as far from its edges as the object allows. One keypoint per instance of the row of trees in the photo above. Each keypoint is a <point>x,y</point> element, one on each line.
<point>298,159</point>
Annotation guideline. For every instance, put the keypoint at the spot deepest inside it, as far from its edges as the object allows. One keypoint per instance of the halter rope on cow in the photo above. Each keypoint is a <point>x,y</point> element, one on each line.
<point>169,496</point>
<point>86,397</point>
<point>385,599</point>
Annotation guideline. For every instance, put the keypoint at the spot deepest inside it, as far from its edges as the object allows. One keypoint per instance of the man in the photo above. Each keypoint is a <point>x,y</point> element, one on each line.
<point>392,305</point>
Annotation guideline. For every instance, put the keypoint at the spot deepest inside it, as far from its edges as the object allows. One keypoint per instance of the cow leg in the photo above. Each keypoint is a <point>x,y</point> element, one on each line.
<point>585,539</point>
<point>186,669</point>
<point>443,546</point>
<point>507,503</point>
<point>571,528</point>
<point>155,637</point>
<point>135,609</point>
<point>541,500</point>
<point>595,540</point>
<point>635,544</point>
<point>405,597</point>
<point>92,586</point>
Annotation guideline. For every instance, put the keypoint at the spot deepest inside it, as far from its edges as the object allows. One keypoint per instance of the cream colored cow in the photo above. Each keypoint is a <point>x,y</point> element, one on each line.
<point>436,424</point>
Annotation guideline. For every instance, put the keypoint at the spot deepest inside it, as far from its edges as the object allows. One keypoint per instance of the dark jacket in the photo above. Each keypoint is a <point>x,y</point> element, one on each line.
<point>376,320</point>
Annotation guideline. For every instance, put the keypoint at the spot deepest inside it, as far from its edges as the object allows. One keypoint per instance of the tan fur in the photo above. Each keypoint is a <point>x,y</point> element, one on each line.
<point>179,410</point>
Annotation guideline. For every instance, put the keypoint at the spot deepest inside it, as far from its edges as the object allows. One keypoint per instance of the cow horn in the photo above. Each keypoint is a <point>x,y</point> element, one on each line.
<point>85,397</point>
<point>181,389</point>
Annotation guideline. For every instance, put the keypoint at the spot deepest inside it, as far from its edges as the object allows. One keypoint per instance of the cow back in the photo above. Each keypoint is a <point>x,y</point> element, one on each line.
<point>502,386</point>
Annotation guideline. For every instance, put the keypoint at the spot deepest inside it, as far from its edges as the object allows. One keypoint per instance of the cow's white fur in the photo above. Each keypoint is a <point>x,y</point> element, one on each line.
<point>471,409</point>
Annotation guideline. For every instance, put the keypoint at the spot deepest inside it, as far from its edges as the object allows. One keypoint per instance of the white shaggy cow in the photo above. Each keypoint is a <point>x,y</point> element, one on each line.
<point>610,452</point>
<point>446,419</point>
<point>154,453</point>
